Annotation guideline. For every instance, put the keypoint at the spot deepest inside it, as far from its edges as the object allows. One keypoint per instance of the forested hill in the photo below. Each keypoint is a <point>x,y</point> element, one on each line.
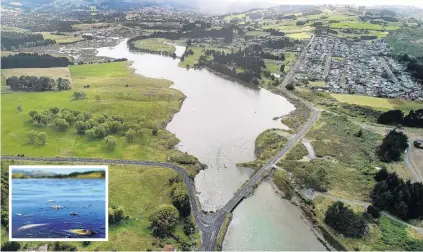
<point>73,175</point>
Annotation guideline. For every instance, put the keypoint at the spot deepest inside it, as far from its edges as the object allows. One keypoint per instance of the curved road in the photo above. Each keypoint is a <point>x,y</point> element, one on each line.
<point>210,224</point>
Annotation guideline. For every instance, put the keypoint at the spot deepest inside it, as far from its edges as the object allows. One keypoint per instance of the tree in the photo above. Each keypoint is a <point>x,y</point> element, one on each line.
<point>111,142</point>
<point>19,108</point>
<point>115,126</point>
<point>61,124</point>
<point>13,83</point>
<point>290,86</point>
<point>130,134</point>
<point>180,199</point>
<point>164,220</point>
<point>345,221</point>
<point>282,69</point>
<point>382,174</point>
<point>31,136</point>
<point>394,143</point>
<point>54,110</point>
<point>391,117</point>
<point>42,138</point>
<point>63,84</point>
<point>116,214</point>
<point>33,113</point>
<point>189,227</point>
<point>373,211</point>
<point>155,131</point>
<point>359,133</point>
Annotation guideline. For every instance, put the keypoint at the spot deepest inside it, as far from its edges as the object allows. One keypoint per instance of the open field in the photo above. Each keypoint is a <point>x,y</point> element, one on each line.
<point>89,26</point>
<point>300,35</point>
<point>191,60</point>
<point>139,190</point>
<point>257,33</point>
<point>155,44</point>
<point>54,72</point>
<point>384,234</point>
<point>147,102</point>
<point>318,83</point>
<point>378,103</point>
<point>362,25</point>
<point>62,39</point>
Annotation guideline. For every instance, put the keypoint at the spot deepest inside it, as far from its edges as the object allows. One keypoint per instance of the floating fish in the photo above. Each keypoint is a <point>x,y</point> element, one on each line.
<point>73,214</point>
<point>31,226</point>
<point>57,207</point>
<point>85,232</point>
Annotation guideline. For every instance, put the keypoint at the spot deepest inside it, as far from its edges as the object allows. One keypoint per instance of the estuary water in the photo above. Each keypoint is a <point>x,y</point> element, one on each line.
<point>55,206</point>
<point>218,123</point>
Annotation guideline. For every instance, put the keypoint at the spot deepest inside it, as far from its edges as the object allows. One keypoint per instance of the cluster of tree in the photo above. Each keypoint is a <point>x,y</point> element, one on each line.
<point>414,66</point>
<point>79,95</point>
<point>180,199</point>
<point>51,26</point>
<point>396,117</point>
<point>33,60</point>
<point>163,53</point>
<point>275,32</point>
<point>246,76</point>
<point>35,137</point>
<point>33,83</point>
<point>195,25</point>
<point>116,215</point>
<point>393,145</point>
<point>187,53</point>
<point>4,197</point>
<point>268,55</point>
<point>164,220</point>
<point>288,17</point>
<point>14,40</point>
<point>401,198</point>
<point>345,221</point>
<point>357,110</point>
<point>249,59</point>
<point>281,43</point>
<point>166,35</point>
<point>226,33</point>
<point>368,37</point>
<point>301,22</point>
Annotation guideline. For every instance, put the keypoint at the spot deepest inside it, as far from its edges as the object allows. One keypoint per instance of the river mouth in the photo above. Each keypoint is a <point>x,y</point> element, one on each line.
<point>218,123</point>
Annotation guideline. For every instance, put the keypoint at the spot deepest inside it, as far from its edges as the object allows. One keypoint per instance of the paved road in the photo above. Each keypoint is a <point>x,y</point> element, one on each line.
<point>200,218</point>
<point>407,159</point>
<point>209,224</point>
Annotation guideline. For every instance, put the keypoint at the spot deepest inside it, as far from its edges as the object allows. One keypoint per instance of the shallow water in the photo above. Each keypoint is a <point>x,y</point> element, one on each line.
<point>218,123</point>
<point>30,205</point>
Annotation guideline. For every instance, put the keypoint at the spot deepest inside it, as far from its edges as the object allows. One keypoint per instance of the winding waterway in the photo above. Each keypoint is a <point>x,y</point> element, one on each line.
<point>218,123</point>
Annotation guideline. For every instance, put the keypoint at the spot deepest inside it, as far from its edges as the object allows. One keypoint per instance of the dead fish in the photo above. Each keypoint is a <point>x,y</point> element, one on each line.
<point>57,207</point>
<point>73,214</point>
<point>85,232</point>
<point>25,227</point>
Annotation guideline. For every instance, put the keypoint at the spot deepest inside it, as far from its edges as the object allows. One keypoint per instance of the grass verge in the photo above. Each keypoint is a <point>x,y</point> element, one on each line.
<point>223,231</point>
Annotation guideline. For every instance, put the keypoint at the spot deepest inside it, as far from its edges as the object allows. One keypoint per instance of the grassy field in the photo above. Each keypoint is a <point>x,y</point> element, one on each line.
<point>191,60</point>
<point>362,25</point>
<point>318,83</point>
<point>62,39</point>
<point>155,44</point>
<point>147,102</point>
<point>267,145</point>
<point>257,33</point>
<point>384,234</point>
<point>378,103</point>
<point>54,72</point>
<point>139,190</point>
<point>300,35</point>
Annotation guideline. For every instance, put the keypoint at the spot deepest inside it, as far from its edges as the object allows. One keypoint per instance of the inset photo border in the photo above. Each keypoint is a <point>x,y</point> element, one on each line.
<point>58,203</point>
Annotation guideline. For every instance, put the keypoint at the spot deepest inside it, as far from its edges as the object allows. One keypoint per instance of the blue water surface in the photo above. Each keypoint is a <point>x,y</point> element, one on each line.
<point>30,205</point>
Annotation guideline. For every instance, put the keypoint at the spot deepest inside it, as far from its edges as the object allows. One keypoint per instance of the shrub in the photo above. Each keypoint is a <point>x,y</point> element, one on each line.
<point>116,214</point>
<point>394,143</point>
<point>63,246</point>
<point>61,124</point>
<point>111,142</point>
<point>31,136</point>
<point>180,199</point>
<point>290,86</point>
<point>130,134</point>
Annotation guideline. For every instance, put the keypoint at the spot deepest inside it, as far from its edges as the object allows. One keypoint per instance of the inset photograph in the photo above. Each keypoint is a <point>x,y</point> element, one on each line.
<point>58,203</point>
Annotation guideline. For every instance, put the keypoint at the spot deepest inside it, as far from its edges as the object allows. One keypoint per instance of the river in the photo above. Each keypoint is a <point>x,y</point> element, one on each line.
<point>218,123</point>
